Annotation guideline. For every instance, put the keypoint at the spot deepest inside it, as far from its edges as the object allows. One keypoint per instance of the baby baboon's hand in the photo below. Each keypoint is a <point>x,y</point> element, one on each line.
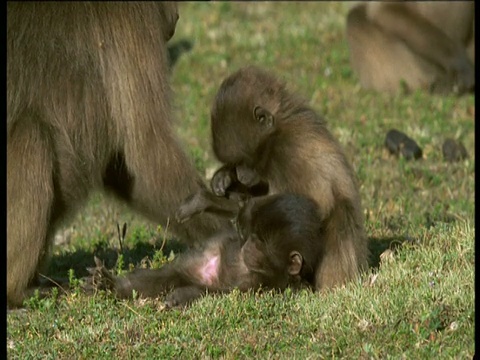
<point>222,180</point>
<point>247,176</point>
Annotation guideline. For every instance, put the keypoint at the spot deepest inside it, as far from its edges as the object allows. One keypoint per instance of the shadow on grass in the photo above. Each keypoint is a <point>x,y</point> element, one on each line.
<point>81,259</point>
<point>177,49</point>
<point>378,245</point>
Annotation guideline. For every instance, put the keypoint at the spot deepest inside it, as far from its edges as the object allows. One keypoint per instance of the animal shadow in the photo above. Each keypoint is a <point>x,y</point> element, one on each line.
<point>378,245</point>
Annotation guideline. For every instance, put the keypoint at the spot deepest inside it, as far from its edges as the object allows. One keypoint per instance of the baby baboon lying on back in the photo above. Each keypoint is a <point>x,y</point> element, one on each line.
<point>276,245</point>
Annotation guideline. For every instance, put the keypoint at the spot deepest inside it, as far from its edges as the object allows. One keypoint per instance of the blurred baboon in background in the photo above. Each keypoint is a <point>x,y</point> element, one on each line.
<point>426,45</point>
<point>88,104</point>
<point>266,133</point>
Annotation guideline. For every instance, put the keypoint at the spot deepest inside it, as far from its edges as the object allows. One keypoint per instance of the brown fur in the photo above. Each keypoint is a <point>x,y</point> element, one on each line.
<point>276,245</point>
<point>88,107</point>
<point>426,45</point>
<point>258,123</point>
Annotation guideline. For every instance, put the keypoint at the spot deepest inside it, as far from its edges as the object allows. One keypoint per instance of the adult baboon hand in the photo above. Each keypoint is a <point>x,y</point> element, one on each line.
<point>194,204</point>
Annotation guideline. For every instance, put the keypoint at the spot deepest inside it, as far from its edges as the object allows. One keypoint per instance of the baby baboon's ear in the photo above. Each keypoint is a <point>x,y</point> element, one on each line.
<point>264,117</point>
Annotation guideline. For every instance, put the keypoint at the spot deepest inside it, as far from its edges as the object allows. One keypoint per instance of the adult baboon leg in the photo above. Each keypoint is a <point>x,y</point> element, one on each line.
<point>162,179</point>
<point>382,61</point>
<point>159,196</point>
<point>30,196</point>
<point>161,174</point>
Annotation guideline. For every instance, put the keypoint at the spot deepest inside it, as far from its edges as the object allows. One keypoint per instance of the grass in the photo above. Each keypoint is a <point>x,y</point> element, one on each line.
<point>417,302</point>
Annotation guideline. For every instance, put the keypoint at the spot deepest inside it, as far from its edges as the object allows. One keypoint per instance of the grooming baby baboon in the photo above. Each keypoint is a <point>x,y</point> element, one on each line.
<point>258,124</point>
<point>88,105</point>
<point>276,245</point>
<point>426,45</point>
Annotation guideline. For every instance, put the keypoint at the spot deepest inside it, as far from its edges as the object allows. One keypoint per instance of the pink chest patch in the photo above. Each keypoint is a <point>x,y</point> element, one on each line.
<point>209,271</point>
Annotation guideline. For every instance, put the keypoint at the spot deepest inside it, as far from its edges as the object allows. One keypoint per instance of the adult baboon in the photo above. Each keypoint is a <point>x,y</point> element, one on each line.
<point>426,45</point>
<point>88,104</point>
